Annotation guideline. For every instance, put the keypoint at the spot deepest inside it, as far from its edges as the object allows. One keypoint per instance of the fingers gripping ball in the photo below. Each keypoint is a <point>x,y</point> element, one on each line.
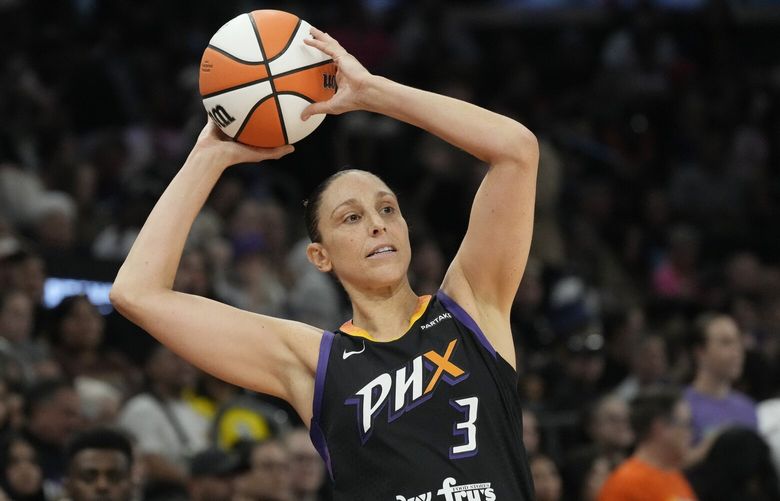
<point>257,75</point>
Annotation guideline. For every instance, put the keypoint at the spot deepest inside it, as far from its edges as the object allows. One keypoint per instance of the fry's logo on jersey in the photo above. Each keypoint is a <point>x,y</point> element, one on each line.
<point>407,390</point>
<point>452,492</point>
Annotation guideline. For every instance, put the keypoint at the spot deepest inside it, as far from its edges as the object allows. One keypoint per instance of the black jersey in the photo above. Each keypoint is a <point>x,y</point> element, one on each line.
<point>430,416</point>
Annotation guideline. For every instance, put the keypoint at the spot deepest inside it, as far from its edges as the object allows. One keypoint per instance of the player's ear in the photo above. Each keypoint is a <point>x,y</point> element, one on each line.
<point>318,256</point>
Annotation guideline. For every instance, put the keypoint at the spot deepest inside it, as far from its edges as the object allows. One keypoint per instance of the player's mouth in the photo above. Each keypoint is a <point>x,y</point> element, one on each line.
<point>382,250</point>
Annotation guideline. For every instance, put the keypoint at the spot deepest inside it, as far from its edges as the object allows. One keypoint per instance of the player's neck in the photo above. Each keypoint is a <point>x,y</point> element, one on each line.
<point>384,314</point>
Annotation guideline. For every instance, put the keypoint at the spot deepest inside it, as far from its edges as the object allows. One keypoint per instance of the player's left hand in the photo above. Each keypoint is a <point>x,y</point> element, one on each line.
<point>351,77</point>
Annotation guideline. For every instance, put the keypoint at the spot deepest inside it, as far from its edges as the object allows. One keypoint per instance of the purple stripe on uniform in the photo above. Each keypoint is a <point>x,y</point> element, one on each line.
<point>466,320</point>
<point>315,431</point>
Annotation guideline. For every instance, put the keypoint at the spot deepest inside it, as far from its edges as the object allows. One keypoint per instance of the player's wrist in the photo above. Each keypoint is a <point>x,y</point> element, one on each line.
<point>373,93</point>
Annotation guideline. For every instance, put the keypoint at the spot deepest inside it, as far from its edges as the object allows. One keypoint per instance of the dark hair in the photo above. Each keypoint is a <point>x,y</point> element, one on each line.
<point>102,438</point>
<point>311,206</point>
<point>737,466</point>
<point>41,393</point>
<point>59,312</point>
<point>5,451</point>
<point>649,405</point>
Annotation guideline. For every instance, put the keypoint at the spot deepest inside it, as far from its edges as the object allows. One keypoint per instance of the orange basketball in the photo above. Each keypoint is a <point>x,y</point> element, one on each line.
<point>257,76</point>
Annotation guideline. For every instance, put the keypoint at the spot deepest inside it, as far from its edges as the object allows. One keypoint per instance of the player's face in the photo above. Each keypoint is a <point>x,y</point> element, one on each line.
<point>365,239</point>
<point>99,475</point>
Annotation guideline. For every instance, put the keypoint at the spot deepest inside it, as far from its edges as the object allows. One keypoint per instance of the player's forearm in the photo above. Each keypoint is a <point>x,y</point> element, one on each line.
<point>154,258</point>
<point>490,137</point>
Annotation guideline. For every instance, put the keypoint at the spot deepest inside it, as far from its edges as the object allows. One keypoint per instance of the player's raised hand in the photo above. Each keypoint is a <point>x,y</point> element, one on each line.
<point>350,77</point>
<point>229,152</point>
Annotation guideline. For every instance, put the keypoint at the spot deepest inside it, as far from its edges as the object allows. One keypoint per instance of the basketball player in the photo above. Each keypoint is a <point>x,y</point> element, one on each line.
<point>414,398</point>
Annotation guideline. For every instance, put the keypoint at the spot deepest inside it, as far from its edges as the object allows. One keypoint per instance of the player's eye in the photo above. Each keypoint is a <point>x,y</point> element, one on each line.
<point>388,209</point>
<point>352,218</point>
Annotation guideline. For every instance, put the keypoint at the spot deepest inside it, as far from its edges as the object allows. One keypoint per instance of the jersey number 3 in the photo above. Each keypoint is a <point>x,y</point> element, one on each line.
<point>468,428</point>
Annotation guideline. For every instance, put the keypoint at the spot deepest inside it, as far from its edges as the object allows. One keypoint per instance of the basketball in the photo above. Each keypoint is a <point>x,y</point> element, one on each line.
<point>257,75</point>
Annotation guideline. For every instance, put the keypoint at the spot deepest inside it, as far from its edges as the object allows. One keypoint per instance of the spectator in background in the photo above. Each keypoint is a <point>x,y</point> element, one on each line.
<point>719,354</point>
<point>307,469</point>
<point>52,414</point>
<point>99,466</point>
<point>610,437</point>
<point>266,474</point>
<point>547,480</point>
<point>738,466</point>
<point>27,273</point>
<point>21,478</point>
<point>16,336</point>
<point>531,435</point>
<point>608,426</point>
<point>11,402</point>
<point>77,332</point>
<point>661,419</point>
<point>167,430</point>
<point>675,277</point>
<point>211,475</point>
<point>649,367</point>
<point>584,478</point>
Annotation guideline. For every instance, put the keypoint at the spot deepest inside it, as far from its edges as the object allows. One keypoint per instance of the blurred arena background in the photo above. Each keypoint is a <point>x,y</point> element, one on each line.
<point>658,200</point>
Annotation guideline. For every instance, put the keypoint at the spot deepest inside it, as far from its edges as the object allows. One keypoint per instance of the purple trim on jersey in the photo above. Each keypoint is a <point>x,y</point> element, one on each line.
<point>359,402</point>
<point>466,320</point>
<point>316,433</point>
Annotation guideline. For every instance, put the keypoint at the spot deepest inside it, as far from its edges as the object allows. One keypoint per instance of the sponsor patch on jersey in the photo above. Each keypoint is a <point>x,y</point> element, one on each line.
<point>451,491</point>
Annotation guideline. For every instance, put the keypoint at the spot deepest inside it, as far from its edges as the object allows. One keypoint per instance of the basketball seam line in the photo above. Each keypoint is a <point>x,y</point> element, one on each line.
<point>289,42</point>
<point>302,68</point>
<point>261,80</point>
<point>234,58</point>
<point>252,110</point>
<point>270,79</point>
<point>298,94</point>
<point>235,87</point>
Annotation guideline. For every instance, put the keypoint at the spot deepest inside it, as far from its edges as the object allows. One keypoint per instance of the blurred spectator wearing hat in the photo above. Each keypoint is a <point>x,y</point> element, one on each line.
<point>211,475</point>
<point>99,466</point>
<point>720,354</point>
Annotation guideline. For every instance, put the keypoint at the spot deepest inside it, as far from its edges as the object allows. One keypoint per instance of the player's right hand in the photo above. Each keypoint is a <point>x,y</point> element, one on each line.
<point>228,152</point>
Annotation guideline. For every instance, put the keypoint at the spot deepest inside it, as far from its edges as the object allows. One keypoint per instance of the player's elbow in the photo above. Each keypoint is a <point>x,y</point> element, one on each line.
<point>524,148</point>
<point>128,298</point>
<point>122,297</point>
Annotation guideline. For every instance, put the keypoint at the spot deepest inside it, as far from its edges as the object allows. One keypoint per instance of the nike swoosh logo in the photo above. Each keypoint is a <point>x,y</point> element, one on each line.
<point>348,354</point>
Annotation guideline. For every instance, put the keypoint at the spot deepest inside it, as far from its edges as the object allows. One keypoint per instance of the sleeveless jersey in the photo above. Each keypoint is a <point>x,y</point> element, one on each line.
<point>430,416</point>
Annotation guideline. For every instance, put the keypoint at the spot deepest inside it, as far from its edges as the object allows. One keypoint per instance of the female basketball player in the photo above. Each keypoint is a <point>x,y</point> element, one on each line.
<point>414,398</point>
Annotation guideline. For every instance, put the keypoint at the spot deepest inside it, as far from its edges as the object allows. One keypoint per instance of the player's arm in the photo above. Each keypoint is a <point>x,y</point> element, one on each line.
<point>265,354</point>
<point>487,269</point>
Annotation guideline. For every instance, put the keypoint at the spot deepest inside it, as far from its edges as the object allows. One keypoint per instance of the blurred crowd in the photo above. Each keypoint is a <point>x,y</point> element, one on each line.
<point>647,324</point>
